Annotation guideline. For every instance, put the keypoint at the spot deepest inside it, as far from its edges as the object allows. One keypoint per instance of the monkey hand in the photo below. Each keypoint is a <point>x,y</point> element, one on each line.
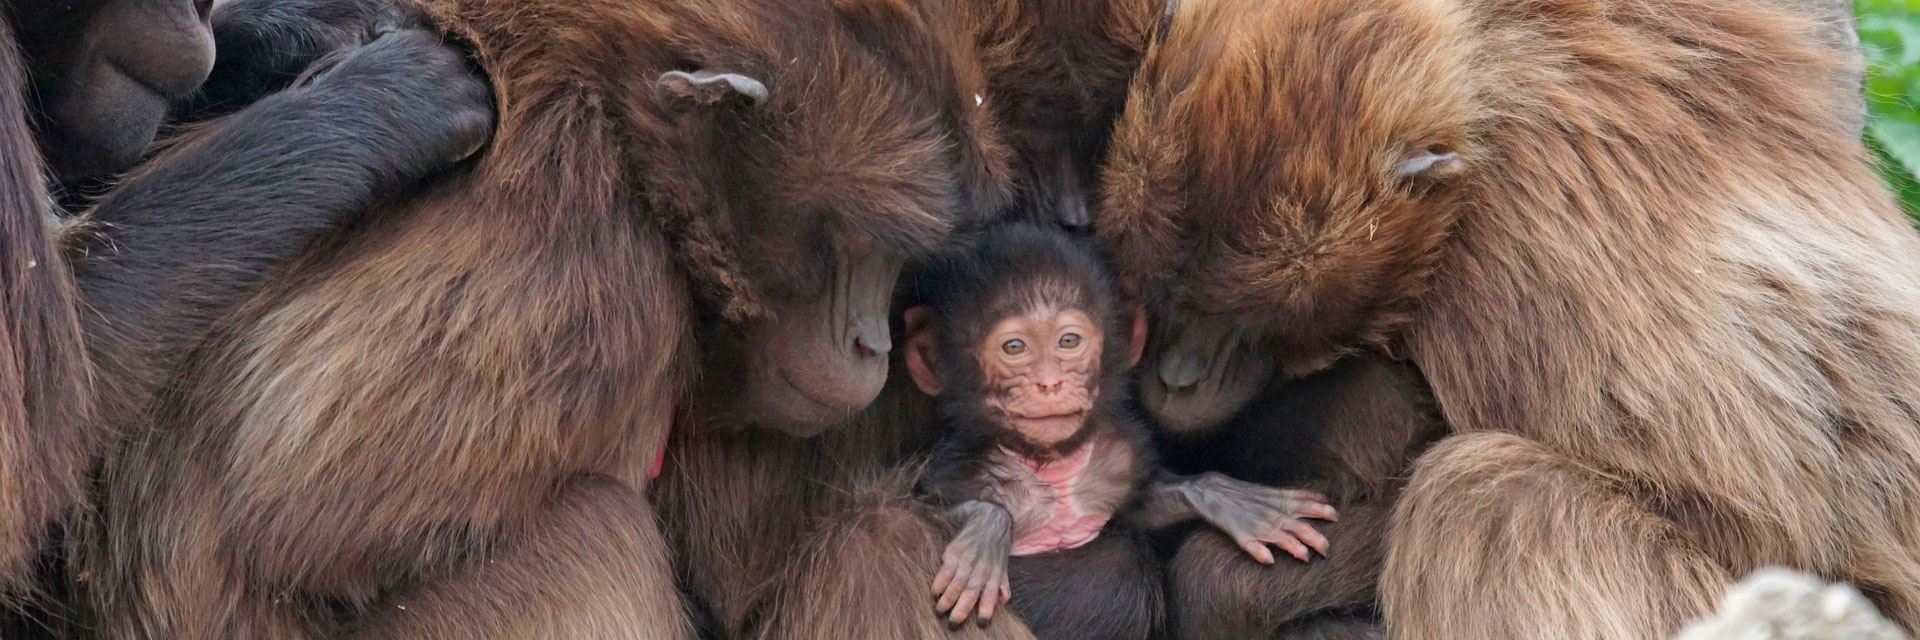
<point>973,570</point>
<point>428,107</point>
<point>1256,515</point>
<point>262,45</point>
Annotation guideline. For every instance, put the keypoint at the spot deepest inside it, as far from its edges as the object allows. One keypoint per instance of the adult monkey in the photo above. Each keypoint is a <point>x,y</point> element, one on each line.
<point>182,241</point>
<point>1665,365</point>
<point>1056,77</point>
<point>457,404</point>
<point>783,537</point>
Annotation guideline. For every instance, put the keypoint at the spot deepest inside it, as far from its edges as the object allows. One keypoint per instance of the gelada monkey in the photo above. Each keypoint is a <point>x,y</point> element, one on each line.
<point>1026,354</point>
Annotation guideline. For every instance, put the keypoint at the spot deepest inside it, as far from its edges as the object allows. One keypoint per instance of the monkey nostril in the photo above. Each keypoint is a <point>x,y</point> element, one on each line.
<point>872,346</point>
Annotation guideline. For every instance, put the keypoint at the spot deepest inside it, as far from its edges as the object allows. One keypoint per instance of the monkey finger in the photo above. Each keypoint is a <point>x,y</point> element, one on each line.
<point>1307,495</point>
<point>1315,510</point>
<point>964,608</point>
<point>1258,549</point>
<point>1293,548</point>
<point>1306,533</point>
<point>955,589</point>
<point>988,601</point>
<point>941,580</point>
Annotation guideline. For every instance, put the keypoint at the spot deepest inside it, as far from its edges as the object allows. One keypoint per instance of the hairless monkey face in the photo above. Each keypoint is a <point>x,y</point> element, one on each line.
<point>1042,371</point>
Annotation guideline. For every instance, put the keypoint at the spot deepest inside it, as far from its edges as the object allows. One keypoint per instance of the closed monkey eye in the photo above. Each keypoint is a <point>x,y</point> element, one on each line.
<point>1014,347</point>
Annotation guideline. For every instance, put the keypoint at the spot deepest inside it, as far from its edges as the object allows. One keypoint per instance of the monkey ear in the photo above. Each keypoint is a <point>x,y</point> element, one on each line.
<point>920,349</point>
<point>1137,338</point>
<point>703,89</point>
<point>1427,166</point>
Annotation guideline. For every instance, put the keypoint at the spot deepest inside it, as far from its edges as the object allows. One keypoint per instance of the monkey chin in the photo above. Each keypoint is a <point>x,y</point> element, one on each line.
<point>1050,432</point>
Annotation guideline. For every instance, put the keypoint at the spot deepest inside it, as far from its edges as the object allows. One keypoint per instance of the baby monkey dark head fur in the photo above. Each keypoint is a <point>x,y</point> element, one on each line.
<point>1023,338</point>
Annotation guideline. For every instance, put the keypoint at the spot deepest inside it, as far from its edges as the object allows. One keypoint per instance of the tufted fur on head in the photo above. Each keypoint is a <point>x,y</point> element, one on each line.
<point>1300,200</point>
<point>864,124</point>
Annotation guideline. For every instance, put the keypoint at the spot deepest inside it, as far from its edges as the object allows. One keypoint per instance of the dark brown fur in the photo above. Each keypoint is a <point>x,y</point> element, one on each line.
<point>439,425</point>
<point>1056,74</point>
<point>1349,432</point>
<point>44,416</point>
<point>1664,301</point>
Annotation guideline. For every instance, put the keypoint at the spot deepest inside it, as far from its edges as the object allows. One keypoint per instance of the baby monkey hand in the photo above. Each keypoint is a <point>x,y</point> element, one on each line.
<point>1256,515</point>
<point>973,569</point>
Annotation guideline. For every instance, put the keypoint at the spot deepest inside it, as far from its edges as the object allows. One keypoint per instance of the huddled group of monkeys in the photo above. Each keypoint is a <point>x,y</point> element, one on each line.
<point>811,319</point>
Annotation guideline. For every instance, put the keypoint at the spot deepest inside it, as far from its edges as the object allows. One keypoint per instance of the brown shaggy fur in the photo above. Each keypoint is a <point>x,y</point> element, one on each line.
<point>1665,302</point>
<point>439,424</point>
<point>43,411</point>
<point>1057,76</point>
<point>814,539</point>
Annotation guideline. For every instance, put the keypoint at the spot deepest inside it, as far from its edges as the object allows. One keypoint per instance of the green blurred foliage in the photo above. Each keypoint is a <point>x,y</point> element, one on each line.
<point>1890,42</point>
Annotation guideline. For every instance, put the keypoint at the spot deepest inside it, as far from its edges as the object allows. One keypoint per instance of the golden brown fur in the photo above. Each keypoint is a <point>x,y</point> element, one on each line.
<point>1663,298</point>
<point>439,424</point>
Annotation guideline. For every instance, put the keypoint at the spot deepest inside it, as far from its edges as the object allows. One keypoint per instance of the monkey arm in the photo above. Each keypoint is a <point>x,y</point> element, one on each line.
<point>261,46</point>
<point>180,244</point>
<point>1253,515</point>
<point>973,569</point>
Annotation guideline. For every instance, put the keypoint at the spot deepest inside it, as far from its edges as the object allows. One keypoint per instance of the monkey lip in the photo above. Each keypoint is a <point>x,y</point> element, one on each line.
<point>1049,428</point>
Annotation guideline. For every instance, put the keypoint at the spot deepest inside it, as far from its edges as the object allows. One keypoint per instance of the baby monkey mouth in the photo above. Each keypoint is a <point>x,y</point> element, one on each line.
<point>1049,428</point>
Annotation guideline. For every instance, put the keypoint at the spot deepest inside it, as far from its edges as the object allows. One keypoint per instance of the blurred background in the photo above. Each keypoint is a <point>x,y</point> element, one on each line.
<point>1890,44</point>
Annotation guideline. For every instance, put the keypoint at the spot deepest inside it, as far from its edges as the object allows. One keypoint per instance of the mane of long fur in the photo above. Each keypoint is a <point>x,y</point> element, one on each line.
<point>42,363</point>
<point>828,65</point>
<point>1719,304</point>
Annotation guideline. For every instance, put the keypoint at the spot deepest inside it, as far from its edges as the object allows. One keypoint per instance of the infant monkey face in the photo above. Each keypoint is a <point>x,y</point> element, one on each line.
<point>1042,370</point>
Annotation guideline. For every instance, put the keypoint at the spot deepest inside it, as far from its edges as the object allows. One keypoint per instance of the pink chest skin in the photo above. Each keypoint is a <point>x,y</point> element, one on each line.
<point>1064,514</point>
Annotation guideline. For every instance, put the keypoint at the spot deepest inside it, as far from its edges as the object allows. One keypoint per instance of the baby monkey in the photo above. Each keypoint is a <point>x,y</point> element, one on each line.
<point>1026,353</point>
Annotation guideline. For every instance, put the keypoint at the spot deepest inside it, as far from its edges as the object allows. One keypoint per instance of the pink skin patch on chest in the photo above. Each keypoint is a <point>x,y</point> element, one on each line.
<point>1073,522</point>
<point>660,455</point>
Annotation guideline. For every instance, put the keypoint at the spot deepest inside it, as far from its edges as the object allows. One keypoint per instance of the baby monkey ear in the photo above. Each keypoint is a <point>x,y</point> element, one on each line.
<point>920,349</point>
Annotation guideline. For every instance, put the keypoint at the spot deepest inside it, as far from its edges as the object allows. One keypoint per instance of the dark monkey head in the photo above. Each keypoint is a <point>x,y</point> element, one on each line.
<point>827,144</point>
<point>106,71</point>
<point>1023,335</point>
<point>1280,185</point>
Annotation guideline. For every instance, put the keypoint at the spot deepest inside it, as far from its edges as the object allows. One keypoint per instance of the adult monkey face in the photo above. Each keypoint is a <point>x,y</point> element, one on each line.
<point>1271,236</point>
<point>106,71</point>
<point>819,358</point>
<point>1202,370</point>
<point>822,204</point>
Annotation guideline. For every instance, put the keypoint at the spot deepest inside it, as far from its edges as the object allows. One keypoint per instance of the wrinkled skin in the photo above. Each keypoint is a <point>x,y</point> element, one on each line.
<point>820,357</point>
<point>1041,370</point>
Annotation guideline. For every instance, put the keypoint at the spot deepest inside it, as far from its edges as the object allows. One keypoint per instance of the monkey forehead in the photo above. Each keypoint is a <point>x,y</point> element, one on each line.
<point>1300,97</point>
<point>1045,321</point>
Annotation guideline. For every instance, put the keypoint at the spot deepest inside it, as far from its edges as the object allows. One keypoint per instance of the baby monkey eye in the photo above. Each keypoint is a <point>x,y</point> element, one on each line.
<point>1070,341</point>
<point>1013,347</point>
